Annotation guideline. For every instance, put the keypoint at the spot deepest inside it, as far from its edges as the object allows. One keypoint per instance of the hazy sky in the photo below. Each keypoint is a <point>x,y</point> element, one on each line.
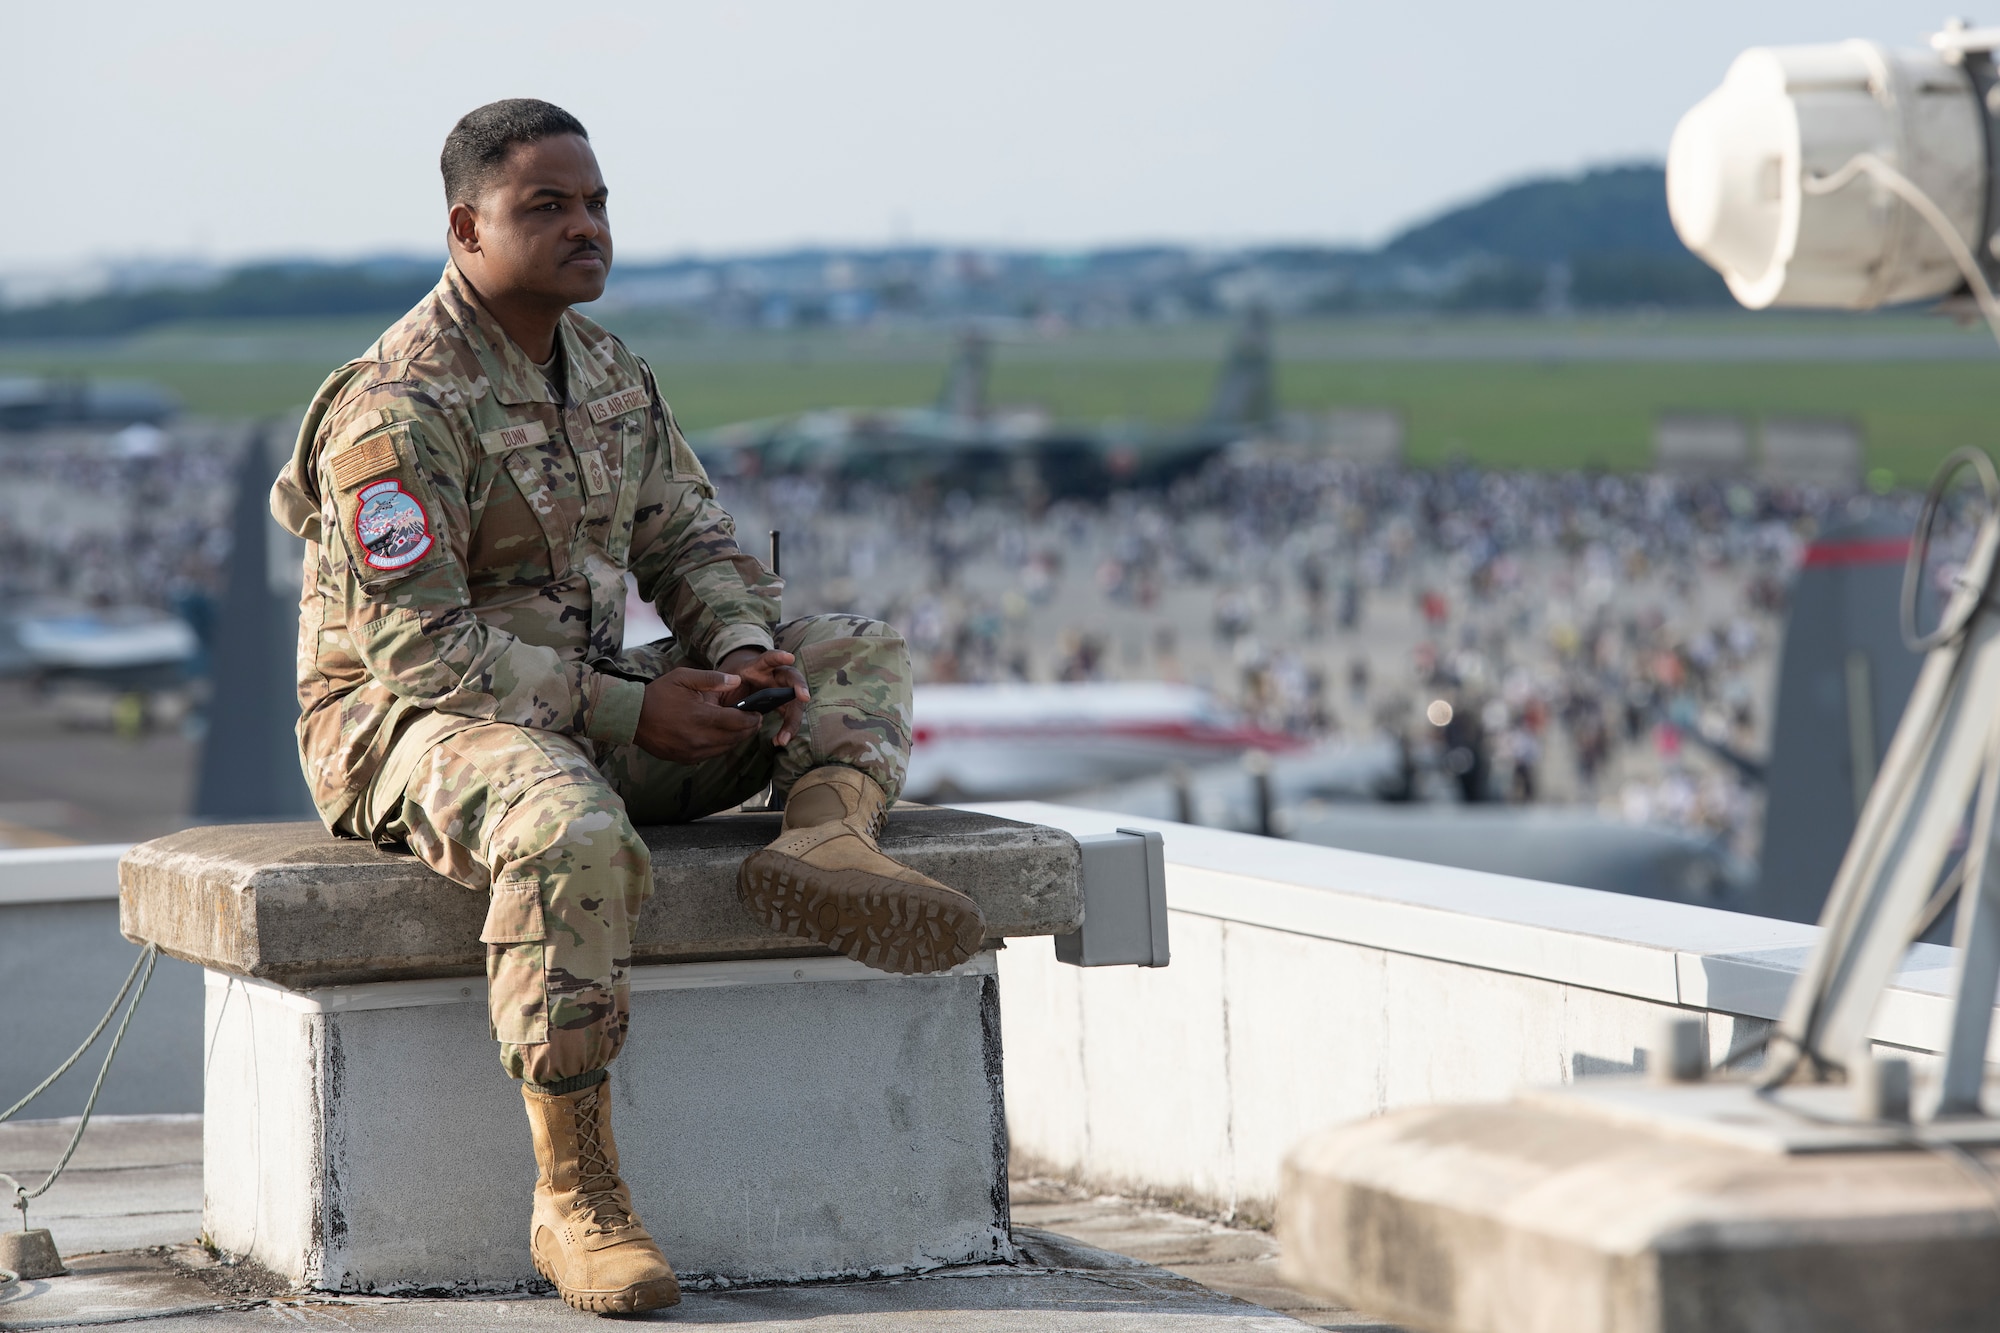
<point>232,130</point>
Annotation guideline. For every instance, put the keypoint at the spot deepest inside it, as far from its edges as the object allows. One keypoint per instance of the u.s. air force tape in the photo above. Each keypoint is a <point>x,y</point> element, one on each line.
<point>616,404</point>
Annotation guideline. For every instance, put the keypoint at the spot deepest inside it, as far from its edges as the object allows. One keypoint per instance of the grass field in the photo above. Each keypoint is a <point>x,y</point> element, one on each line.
<point>1551,412</point>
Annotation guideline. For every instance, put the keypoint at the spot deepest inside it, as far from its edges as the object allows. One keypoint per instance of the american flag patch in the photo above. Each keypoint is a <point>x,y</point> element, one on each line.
<point>370,458</point>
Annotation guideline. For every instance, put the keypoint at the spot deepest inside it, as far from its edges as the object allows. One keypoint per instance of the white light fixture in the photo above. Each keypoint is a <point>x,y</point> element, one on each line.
<point>1762,180</point>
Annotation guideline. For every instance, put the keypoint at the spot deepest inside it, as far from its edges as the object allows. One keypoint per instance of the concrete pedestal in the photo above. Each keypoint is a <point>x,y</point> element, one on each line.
<point>778,1119</point>
<point>782,1113</point>
<point>1566,1219</point>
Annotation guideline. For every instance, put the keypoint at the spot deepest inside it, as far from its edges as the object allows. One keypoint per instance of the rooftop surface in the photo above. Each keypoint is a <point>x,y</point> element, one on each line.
<point>127,1215</point>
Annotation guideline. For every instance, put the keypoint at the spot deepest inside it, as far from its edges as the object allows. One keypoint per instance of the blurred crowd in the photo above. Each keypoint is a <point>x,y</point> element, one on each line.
<point>1524,636</point>
<point>1520,636</point>
<point>139,518</point>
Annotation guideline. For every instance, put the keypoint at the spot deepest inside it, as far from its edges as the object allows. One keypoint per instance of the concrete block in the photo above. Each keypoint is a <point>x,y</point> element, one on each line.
<point>1479,1219</point>
<point>778,1119</point>
<point>291,904</point>
<point>30,1254</point>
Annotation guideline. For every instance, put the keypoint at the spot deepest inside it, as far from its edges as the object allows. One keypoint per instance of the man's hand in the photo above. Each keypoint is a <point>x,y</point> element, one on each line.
<point>760,670</point>
<point>685,717</point>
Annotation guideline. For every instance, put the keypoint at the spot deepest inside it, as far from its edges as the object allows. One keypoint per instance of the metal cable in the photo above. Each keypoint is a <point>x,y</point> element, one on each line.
<point>22,1194</point>
<point>1947,629</point>
<point>1911,193</point>
<point>95,1032</point>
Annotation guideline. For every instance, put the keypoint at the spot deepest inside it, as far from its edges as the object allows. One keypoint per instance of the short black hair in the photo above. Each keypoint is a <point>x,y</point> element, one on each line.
<point>481,140</point>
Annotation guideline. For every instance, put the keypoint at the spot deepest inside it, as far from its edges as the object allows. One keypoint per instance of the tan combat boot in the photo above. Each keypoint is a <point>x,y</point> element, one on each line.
<point>584,1236</point>
<point>826,879</point>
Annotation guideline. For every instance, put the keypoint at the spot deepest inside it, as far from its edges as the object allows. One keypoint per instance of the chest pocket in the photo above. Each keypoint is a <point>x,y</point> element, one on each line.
<point>615,425</point>
<point>599,465</point>
<point>544,473</point>
<point>611,463</point>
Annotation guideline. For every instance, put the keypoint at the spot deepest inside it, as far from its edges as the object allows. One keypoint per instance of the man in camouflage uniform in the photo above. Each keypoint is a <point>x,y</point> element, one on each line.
<point>473,491</point>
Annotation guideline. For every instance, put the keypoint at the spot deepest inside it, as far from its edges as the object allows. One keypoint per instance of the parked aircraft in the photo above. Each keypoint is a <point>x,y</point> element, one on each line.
<point>30,403</point>
<point>997,741</point>
<point>1327,796</point>
<point>963,443</point>
<point>122,650</point>
<point>1844,676</point>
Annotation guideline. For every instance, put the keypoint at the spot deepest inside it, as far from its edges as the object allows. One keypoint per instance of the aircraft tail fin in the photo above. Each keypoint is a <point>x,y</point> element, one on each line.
<point>964,392</point>
<point>1246,390</point>
<point>1844,675</point>
<point>249,766</point>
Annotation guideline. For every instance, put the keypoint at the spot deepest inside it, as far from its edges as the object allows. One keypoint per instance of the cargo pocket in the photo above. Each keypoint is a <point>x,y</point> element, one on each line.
<point>517,987</point>
<point>514,916</point>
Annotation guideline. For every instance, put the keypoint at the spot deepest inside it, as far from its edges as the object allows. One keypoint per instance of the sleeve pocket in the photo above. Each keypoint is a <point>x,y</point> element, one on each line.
<point>514,916</point>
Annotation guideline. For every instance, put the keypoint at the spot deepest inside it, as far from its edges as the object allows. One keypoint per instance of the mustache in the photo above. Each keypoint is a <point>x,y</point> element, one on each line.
<point>586,248</point>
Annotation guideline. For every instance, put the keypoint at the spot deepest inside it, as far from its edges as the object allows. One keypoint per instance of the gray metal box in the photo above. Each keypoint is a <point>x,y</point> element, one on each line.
<point>1124,902</point>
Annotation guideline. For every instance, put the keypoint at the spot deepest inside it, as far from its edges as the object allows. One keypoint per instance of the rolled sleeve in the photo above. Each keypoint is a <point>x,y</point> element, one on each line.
<point>613,714</point>
<point>729,638</point>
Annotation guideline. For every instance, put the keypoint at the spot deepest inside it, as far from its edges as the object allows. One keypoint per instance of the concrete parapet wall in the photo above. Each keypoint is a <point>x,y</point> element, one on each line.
<point>1312,986</point>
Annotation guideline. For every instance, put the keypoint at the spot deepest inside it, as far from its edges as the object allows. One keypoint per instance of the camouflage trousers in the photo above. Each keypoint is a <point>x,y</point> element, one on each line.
<point>543,823</point>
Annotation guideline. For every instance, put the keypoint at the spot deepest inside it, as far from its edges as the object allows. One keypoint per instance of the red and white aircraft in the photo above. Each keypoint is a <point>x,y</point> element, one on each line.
<point>997,741</point>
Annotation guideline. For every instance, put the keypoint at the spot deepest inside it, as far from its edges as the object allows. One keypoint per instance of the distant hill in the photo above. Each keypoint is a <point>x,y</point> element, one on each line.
<point>1604,237</point>
<point>1605,210</point>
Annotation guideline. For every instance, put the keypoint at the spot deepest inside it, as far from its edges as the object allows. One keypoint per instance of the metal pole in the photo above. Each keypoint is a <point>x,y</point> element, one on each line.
<point>1978,965</point>
<point>1927,780</point>
<point>1184,812</point>
<point>1944,756</point>
<point>1258,765</point>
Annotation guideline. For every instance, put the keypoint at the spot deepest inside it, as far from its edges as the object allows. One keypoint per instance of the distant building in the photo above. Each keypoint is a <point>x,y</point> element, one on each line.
<point>1701,444</point>
<point>1811,451</point>
<point>1370,436</point>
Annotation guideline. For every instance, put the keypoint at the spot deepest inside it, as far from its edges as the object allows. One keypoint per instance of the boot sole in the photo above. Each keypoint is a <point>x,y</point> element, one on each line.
<point>635,1299</point>
<point>880,922</point>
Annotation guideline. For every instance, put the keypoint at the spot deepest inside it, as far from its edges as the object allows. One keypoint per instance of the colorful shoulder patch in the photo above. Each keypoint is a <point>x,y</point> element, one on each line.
<point>391,525</point>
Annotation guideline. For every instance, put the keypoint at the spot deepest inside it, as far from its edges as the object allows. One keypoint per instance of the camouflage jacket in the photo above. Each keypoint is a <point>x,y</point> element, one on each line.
<point>467,539</point>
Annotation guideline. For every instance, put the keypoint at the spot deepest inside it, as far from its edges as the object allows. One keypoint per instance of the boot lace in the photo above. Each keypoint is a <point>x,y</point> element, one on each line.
<point>597,1182</point>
